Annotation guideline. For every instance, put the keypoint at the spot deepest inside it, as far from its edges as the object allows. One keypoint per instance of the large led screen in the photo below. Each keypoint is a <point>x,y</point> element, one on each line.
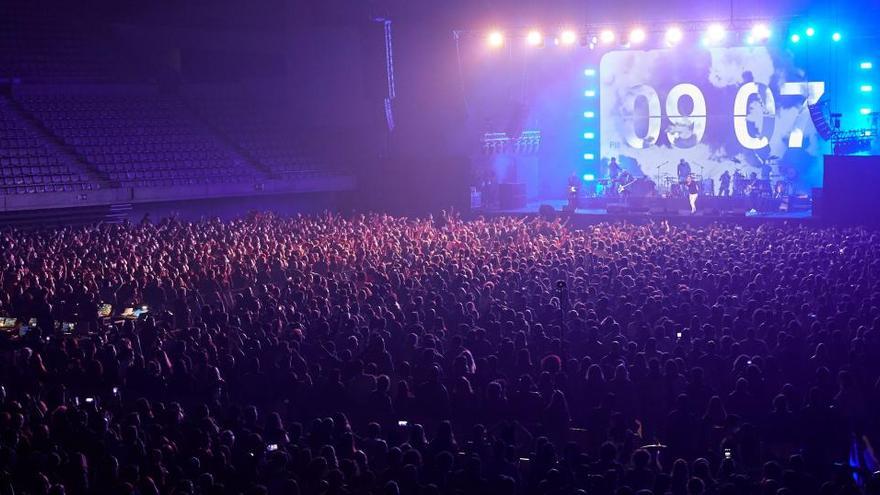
<point>721,108</point>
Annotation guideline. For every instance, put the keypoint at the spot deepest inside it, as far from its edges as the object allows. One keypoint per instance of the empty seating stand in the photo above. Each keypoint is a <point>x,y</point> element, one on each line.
<point>143,140</point>
<point>29,165</point>
<point>261,128</point>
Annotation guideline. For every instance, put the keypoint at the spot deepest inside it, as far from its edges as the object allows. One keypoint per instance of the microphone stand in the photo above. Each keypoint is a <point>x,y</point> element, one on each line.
<point>660,184</point>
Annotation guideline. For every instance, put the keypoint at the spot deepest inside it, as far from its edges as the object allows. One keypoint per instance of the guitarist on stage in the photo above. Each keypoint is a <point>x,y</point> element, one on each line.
<point>625,180</point>
<point>613,170</point>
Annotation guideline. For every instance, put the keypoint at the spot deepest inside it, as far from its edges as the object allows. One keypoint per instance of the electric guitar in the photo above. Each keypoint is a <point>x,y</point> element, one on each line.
<point>621,188</point>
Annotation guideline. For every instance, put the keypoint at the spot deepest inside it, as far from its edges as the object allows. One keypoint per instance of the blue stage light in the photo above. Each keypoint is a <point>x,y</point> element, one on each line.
<point>589,177</point>
<point>795,38</point>
<point>836,36</point>
<point>589,115</point>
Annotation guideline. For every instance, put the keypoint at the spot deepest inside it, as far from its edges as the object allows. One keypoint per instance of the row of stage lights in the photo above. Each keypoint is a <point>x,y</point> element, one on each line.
<point>810,32</point>
<point>715,34</point>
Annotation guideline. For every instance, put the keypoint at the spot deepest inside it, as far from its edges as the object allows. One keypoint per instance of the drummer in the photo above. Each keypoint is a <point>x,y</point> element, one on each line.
<point>684,170</point>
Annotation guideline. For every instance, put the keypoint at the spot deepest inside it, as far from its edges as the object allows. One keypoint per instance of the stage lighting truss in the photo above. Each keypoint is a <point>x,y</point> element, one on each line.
<point>614,36</point>
<point>497,143</point>
<point>857,140</point>
<point>853,141</point>
<point>674,35</point>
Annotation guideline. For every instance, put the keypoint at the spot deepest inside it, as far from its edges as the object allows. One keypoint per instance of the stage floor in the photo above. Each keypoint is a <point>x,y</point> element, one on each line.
<point>599,212</point>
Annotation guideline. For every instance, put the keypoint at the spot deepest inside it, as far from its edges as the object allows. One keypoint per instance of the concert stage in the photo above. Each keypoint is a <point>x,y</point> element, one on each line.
<point>708,208</point>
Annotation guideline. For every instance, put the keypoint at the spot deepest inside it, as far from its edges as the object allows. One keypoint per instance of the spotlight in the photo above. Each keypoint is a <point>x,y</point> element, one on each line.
<point>590,93</point>
<point>865,111</point>
<point>589,177</point>
<point>866,66</point>
<point>589,115</point>
<point>866,88</point>
<point>568,37</point>
<point>795,38</point>
<point>607,36</point>
<point>589,72</point>
<point>674,35</point>
<point>715,34</point>
<point>534,38</point>
<point>637,36</point>
<point>495,39</point>
<point>760,33</point>
<point>836,37</point>
<point>589,135</point>
<point>589,156</point>
<point>810,31</point>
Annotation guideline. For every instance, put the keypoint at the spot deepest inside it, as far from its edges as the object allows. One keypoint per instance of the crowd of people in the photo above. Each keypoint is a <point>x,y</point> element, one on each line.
<point>391,356</point>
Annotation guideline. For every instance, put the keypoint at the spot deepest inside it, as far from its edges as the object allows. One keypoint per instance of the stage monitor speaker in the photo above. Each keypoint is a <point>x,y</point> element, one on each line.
<point>662,211</point>
<point>547,212</point>
<point>798,203</point>
<point>617,209</point>
<point>636,202</point>
<point>512,196</point>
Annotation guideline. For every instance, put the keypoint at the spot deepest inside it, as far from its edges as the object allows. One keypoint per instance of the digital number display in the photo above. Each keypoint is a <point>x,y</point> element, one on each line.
<point>726,108</point>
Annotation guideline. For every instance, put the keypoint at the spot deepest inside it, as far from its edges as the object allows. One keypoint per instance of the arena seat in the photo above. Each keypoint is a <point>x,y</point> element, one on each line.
<point>28,165</point>
<point>262,129</point>
<point>139,140</point>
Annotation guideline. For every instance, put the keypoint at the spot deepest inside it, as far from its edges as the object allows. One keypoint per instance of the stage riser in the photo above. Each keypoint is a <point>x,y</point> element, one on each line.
<point>704,203</point>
